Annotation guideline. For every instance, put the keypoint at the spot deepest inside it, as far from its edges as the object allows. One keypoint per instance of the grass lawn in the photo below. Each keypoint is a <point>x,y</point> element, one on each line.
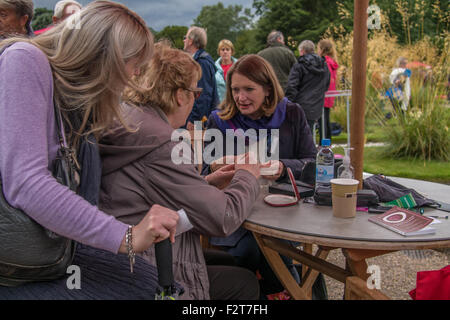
<point>377,163</point>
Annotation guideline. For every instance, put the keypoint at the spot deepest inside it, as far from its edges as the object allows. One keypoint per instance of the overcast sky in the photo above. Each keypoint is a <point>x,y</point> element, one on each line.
<point>161,13</point>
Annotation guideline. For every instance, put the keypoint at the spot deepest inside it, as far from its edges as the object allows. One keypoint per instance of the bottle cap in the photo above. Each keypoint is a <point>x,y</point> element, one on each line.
<point>326,142</point>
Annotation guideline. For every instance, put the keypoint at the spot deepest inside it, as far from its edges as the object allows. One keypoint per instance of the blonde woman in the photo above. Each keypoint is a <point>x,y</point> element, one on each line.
<point>82,72</point>
<point>139,171</point>
<point>225,49</point>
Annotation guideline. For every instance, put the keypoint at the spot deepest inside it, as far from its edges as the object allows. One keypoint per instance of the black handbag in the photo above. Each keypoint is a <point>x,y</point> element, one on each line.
<point>28,251</point>
<point>365,198</point>
<point>388,190</point>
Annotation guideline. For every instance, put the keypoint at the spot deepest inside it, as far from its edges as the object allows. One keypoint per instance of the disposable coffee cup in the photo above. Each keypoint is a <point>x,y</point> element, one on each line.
<point>343,196</point>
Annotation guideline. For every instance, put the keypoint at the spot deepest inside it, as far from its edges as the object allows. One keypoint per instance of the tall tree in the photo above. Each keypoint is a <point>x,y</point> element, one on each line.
<point>42,18</point>
<point>222,23</point>
<point>174,34</point>
<point>297,19</point>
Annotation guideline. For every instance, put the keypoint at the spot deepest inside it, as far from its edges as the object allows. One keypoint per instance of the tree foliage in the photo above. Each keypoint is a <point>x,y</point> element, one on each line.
<point>42,18</point>
<point>222,22</point>
<point>408,20</point>
<point>174,34</point>
<point>297,19</point>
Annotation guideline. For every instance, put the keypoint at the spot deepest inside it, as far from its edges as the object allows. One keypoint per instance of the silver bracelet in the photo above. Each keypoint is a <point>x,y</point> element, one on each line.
<point>129,243</point>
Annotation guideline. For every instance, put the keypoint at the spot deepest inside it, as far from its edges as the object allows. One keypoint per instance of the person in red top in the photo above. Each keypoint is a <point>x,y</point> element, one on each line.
<point>225,49</point>
<point>326,49</point>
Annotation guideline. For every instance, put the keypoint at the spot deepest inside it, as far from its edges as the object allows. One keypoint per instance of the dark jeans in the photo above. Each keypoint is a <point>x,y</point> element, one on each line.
<point>226,280</point>
<point>103,276</point>
<point>248,255</point>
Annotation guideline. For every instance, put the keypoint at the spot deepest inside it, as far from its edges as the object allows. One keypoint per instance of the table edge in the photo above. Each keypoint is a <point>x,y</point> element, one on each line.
<point>344,243</point>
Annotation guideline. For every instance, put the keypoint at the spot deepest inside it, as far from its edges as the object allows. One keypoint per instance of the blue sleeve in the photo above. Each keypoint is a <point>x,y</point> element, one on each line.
<point>208,100</point>
<point>210,124</point>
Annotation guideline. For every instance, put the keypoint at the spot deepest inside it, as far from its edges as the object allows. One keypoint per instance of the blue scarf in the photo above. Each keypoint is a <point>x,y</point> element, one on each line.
<point>240,121</point>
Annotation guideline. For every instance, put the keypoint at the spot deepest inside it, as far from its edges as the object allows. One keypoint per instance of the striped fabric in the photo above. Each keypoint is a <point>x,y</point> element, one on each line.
<point>405,202</point>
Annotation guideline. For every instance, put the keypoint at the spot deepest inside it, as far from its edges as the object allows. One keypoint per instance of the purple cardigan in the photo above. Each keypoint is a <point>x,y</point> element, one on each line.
<point>28,145</point>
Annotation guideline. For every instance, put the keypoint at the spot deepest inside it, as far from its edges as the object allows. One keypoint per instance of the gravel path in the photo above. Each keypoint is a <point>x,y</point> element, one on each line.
<point>398,271</point>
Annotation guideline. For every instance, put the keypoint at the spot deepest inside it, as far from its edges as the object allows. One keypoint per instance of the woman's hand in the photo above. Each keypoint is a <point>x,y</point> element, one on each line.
<point>275,171</point>
<point>158,224</point>
<point>222,162</point>
<point>248,162</point>
<point>221,178</point>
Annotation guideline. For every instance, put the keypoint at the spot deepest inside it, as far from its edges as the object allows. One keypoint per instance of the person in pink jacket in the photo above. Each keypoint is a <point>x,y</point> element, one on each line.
<point>326,49</point>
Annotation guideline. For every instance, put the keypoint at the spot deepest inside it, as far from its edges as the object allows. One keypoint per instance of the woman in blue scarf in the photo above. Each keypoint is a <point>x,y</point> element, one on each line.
<point>255,100</point>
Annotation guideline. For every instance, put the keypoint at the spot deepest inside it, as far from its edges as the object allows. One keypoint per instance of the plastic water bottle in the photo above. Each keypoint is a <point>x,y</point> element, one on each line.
<point>324,164</point>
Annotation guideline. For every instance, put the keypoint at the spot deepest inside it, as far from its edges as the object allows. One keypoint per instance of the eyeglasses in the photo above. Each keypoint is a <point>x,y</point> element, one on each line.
<point>196,91</point>
<point>280,200</point>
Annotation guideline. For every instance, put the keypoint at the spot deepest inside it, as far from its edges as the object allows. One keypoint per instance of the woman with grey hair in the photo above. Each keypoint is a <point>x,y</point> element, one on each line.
<point>15,18</point>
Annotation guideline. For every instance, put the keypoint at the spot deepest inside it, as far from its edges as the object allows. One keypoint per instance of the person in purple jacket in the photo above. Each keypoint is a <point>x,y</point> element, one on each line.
<point>255,100</point>
<point>82,71</point>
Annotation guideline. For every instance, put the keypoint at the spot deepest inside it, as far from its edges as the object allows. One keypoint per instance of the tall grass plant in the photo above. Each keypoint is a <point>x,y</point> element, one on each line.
<point>422,131</point>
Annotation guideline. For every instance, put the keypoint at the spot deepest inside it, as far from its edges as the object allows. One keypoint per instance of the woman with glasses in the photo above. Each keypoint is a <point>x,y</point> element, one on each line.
<point>141,168</point>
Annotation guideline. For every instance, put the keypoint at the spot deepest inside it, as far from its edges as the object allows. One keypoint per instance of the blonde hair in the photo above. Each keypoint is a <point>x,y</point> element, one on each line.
<point>258,70</point>
<point>168,70</point>
<point>87,54</point>
<point>327,48</point>
<point>225,43</point>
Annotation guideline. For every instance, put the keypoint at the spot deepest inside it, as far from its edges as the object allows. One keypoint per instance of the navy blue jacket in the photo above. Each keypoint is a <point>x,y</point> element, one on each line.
<point>209,99</point>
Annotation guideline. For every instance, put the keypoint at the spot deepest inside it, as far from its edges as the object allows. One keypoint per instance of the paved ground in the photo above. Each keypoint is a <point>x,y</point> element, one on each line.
<point>398,271</point>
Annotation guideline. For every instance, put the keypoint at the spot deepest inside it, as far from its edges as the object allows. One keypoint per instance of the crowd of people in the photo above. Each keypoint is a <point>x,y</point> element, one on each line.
<point>121,96</point>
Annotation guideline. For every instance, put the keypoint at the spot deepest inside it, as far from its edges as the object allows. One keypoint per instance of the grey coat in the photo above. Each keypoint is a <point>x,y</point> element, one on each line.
<point>138,172</point>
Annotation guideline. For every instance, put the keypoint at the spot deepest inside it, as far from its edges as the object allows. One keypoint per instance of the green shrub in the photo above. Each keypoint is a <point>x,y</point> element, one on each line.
<point>421,133</point>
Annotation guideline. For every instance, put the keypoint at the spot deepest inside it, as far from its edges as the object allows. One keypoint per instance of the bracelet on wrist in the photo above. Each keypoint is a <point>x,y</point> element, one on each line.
<point>129,244</point>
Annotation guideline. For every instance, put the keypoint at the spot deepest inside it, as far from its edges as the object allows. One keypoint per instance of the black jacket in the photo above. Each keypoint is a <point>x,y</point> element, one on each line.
<point>308,81</point>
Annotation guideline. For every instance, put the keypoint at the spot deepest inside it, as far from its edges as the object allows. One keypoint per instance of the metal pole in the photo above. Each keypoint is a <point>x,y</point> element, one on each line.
<point>348,122</point>
<point>323,124</point>
<point>359,86</point>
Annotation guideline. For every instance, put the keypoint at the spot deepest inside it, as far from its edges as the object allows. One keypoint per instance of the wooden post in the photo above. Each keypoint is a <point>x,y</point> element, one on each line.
<point>359,86</point>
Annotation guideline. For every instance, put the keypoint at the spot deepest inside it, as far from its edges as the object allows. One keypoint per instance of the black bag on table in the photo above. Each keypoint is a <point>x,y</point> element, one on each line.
<point>365,198</point>
<point>388,190</point>
<point>28,251</point>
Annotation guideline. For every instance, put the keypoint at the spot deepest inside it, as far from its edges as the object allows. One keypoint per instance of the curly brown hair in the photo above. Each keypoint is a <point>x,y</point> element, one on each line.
<point>168,70</point>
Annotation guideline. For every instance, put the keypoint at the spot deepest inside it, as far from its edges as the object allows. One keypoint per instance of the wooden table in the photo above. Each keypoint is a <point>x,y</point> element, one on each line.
<point>358,238</point>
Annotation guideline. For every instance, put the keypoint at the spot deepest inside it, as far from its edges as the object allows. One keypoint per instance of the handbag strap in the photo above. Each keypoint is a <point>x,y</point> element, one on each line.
<point>60,126</point>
